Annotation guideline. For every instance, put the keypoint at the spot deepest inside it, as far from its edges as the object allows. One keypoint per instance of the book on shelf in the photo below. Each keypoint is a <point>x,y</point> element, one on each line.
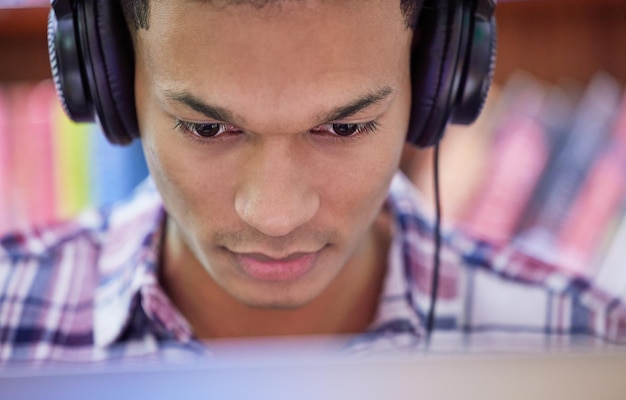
<point>610,259</point>
<point>563,181</point>
<point>601,198</point>
<point>544,168</point>
<point>71,142</point>
<point>31,148</point>
<point>5,184</point>
<point>52,168</point>
<point>517,155</point>
<point>553,173</point>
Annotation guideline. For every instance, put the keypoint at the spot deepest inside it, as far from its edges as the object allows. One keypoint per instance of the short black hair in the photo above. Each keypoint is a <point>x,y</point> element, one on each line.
<point>137,12</point>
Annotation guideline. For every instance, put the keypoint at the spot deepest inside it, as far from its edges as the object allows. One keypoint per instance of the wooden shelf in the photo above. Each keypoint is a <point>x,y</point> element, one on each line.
<point>552,39</point>
<point>23,44</point>
<point>23,22</point>
<point>557,39</point>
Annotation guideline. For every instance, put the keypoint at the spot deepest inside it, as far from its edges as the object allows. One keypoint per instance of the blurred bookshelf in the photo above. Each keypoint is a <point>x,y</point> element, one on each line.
<point>23,42</point>
<point>544,166</point>
<point>556,39</point>
<point>548,38</point>
<point>555,58</point>
<point>50,167</point>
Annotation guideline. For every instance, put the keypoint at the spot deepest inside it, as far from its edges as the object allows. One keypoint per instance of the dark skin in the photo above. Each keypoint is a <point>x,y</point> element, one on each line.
<point>272,135</point>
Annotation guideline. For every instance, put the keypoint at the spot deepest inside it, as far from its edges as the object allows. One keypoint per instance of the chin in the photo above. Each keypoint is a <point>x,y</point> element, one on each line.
<point>277,306</point>
<point>286,299</point>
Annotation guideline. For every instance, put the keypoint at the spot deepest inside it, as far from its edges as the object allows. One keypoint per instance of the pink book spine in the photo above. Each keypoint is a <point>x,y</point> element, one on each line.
<point>518,156</point>
<point>31,166</point>
<point>22,162</point>
<point>40,105</point>
<point>5,206</point>
<point>600,200</point>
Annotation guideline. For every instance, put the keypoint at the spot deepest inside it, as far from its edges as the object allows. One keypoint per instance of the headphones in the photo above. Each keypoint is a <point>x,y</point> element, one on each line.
<point>452,63</point>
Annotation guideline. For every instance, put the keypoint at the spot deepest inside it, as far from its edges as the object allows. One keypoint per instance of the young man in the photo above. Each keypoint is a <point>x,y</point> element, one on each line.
<point>273,131</point>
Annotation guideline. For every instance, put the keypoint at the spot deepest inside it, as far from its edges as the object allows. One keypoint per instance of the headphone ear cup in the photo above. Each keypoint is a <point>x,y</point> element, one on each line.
<point>478,74</point>
<point>434,68</point>
<point>109,66</point>
<point>66,66</point>
<point>451,66</point>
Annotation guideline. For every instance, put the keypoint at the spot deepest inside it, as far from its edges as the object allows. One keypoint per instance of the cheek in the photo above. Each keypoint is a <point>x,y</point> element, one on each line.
<point>361,184</point>
<point>173,165</point>
<point>194,191</point>
<point>355,191</point>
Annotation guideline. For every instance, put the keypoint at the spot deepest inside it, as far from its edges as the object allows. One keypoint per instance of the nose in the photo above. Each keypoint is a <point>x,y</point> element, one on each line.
<point>275,197</point>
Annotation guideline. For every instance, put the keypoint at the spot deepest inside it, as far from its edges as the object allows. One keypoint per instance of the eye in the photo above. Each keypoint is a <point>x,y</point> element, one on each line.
<point>346,130</point>
<point>205,130</point>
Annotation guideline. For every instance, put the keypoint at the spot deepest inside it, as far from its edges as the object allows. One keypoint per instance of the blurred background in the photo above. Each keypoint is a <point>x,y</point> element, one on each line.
<point>544,166</point>
<point>50,167</point>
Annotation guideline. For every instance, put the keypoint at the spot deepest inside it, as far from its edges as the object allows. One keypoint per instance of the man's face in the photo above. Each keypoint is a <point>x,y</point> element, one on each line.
<point>272,134</point>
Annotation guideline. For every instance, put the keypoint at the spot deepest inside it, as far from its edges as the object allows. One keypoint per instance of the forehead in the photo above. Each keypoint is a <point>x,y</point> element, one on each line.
<point>379,14</point>
<point>270,6</point>
<point>246,21</point>
<point>271,52</point>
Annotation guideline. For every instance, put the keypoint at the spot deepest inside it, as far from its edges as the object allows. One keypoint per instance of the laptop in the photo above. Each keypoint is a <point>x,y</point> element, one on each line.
<point>302,369</point>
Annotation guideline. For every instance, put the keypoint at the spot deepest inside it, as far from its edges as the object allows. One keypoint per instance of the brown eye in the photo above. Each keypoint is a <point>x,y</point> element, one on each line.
<point>207,130</point>
<point>345,129</point>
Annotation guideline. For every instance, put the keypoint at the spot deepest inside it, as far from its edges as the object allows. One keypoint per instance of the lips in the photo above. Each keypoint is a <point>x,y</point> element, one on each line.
<point>266,268</point>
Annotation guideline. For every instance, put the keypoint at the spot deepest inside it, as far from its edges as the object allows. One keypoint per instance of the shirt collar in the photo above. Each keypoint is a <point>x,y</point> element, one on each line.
<point>128,263</point>
<point>397,309</point>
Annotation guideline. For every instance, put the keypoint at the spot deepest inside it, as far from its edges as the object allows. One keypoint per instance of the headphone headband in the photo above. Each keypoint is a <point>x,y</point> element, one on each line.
<point>452,65</point>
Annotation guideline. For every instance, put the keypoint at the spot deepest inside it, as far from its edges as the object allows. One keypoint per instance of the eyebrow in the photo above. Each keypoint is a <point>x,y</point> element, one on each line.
<point>192,102</point>
<point>221,114</point>
<point>358,105</point>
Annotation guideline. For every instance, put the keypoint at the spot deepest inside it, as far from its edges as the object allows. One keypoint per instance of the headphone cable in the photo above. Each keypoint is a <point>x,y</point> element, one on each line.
<point>434,288</point>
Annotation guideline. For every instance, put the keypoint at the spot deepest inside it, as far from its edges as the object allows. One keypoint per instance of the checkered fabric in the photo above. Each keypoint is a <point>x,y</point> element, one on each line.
<point>88,289</point>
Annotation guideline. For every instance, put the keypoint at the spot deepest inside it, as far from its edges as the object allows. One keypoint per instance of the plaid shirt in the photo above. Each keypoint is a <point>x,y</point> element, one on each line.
<point>89,289</point>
